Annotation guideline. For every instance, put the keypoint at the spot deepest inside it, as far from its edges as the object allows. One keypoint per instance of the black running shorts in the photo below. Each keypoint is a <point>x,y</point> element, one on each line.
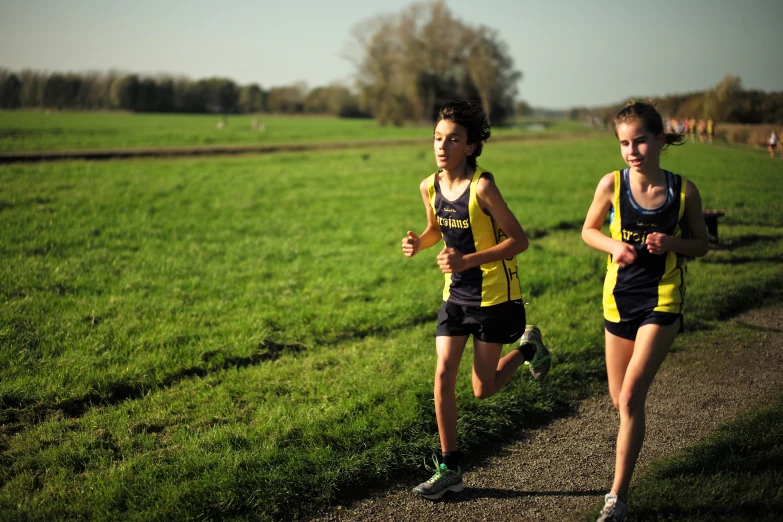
<point>503,323</point>
<point>628,329</point>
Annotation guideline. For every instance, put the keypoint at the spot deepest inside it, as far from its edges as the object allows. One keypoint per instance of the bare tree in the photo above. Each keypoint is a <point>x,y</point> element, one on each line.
<point>409,64</point>
<point>490,68</point>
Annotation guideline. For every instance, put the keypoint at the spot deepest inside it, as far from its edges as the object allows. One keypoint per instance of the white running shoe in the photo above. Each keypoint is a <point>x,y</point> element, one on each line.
<point>614,510</point>
<point>542,361</point>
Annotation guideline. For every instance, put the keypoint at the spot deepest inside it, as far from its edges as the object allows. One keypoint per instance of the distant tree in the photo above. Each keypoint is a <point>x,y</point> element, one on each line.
<point>334,99</point>
<point>692,106</point>
<point>251,99</point>
<point>491,70</point>
<point>32,88</point>
<point>227,96</point>
<point>10,91</point>
<point>61,91</point>
<point>408,65</point>
<point>146,96</point>
<point>728,88</point>
<point>771,108</point>
<point>376,78</point>
<point>88,96</point>
<point>124,92</point>
<point>288,99</point>
<point>434,55</point>
<point>187,96</point>
<point>219,95</point>
<point>523,109</point>
<point>578,113</point>
<point>164,95</point>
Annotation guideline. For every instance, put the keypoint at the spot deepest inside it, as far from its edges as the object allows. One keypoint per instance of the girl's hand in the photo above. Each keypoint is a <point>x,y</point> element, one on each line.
<point>451,261</point>
<point>410,244</point>
<point>658,243</point>
<point>623,254</point>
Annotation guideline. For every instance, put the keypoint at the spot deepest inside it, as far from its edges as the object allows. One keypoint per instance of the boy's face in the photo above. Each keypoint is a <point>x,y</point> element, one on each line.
<point>450,141</point>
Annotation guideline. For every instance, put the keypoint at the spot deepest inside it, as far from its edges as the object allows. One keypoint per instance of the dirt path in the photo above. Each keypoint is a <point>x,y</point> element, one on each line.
<point>36,156</point>
<point>559,471</point>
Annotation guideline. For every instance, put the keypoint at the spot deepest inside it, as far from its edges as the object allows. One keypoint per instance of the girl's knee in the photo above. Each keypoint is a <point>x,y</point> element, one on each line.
<point>630,402</point>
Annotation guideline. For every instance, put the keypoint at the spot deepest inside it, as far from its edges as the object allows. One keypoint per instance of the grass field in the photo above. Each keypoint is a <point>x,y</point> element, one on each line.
<point>25,131</point>
<point>241,338</point>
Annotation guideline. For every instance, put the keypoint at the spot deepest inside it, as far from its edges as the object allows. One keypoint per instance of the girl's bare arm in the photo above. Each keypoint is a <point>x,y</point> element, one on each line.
<point>622,253</point>
<point>698,244</point>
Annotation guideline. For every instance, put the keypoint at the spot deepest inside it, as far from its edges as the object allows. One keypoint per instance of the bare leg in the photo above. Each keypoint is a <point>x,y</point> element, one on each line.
<point>618,356</point>
<point>490,372</point>
<point>649,350</point>
<point>449,351</point>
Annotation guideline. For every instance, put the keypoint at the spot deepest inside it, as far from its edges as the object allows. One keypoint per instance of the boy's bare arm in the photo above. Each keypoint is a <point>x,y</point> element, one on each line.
<point>412,244</point>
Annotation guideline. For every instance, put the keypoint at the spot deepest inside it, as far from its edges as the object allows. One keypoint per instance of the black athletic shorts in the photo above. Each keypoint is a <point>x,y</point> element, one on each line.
<point>502,323</point>
<point>628,329</point>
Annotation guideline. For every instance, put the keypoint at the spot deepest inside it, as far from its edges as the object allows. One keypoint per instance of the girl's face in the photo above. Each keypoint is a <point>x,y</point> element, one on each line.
<point>640,148</point>
<point>451,145</point>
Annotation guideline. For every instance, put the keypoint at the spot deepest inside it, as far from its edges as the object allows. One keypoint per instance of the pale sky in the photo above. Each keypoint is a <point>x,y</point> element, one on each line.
<point>570,52</point>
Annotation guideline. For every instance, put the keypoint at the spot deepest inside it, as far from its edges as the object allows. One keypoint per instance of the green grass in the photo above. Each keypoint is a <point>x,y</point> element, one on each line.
<point>24,131</point>
<point>241,338</point>
<point>737,475</point>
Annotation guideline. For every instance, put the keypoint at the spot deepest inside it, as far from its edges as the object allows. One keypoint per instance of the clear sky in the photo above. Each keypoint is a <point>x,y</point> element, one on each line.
<point>570,52</point>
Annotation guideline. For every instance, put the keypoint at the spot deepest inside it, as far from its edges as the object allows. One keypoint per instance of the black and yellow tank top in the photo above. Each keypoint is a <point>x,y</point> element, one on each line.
<point>466,228</point>
<point>653,282</point>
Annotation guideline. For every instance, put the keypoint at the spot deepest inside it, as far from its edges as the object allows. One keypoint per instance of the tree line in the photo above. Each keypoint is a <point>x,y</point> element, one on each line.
<point>407,65</point>
<point>726,102</point>
<point>132,92</point>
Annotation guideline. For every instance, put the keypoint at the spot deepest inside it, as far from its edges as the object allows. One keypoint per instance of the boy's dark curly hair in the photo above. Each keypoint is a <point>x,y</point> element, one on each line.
<point>470,115</point>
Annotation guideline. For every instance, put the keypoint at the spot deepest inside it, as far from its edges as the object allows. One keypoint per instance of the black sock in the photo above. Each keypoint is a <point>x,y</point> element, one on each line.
<point>452,460</point>
<point>528,351</point>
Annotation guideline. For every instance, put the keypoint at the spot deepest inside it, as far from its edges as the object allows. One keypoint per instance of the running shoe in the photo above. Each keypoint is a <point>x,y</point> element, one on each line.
<point>614,510</point>
<point>542,361</point>
<point>443,481</point>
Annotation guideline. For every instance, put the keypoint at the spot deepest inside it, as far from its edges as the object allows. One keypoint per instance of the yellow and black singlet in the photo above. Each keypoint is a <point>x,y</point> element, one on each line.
<point>654,282</point>
<point>466,228</point>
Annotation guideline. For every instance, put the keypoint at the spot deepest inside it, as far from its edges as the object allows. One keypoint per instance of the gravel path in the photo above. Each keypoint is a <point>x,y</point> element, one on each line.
<point>557,472</point>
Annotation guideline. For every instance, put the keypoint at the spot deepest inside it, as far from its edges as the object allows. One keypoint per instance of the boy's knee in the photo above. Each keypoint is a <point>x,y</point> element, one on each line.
<point>442,375</point>
<point>483,392</point>
<point>444,380</point>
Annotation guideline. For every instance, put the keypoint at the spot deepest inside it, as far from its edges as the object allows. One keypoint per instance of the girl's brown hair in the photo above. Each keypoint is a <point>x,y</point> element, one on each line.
<point>646,113</point>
